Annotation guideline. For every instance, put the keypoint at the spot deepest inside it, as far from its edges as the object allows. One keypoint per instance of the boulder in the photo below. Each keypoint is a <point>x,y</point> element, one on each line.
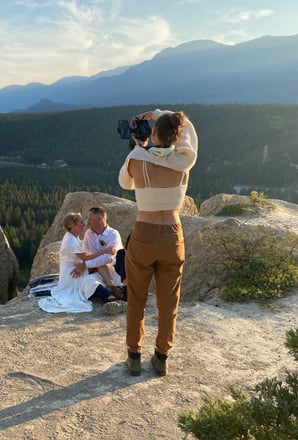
<point>214,205</point>
<point>121,215</point>
<point>9,270</point>
<point>121,212</point>
<point>46,260</point>
<point>199,281</point>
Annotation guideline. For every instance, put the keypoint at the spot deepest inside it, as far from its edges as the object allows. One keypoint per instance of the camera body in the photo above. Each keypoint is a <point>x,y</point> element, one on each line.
<point>141,131</point>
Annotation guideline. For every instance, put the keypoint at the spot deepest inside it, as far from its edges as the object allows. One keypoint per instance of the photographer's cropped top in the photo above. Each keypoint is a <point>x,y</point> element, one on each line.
<point>159,199</point>
<point>180,157</point>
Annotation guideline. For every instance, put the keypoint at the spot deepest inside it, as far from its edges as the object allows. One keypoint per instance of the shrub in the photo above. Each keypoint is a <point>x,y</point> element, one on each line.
<point>271,413</point>
<point>255,263</point>
<point>256,201</point>
<point>292,342</point>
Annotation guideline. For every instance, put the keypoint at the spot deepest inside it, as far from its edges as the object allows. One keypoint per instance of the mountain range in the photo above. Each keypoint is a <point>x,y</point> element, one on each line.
<point>263,70</point>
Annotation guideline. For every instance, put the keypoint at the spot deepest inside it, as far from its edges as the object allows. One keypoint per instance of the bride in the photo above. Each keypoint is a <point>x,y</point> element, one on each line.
<point>72,293</point>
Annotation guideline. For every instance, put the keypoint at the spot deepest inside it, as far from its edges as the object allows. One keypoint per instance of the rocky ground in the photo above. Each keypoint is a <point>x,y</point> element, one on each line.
<point>64,376</point>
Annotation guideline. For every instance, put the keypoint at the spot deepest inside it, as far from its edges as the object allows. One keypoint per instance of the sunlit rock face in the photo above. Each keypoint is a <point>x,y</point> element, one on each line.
<point>9,270</point>
<point>199,281</point>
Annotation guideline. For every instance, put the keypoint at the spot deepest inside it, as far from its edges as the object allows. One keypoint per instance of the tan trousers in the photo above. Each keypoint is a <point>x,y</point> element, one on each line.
<point>154,250</point>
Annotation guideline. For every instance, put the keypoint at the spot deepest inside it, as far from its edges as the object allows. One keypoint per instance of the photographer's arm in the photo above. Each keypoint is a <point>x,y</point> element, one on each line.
<point>147,116</point>
<point>125,179</point>
<point>142,116</point>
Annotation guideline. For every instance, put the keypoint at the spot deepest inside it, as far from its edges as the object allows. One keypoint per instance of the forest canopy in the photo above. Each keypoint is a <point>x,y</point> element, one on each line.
<point>43,156</point>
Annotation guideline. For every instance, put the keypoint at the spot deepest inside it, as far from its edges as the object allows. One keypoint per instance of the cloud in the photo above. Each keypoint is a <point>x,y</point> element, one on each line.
<point>30,4</point>
<point>232,37</point>
<point>236,16</point>
<point>66,37</point>
<point>264,13</point>
<point>121,47</point>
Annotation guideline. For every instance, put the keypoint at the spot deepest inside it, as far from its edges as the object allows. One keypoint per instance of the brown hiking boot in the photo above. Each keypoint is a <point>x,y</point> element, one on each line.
<point>134,363</point>
<point>160,363</point>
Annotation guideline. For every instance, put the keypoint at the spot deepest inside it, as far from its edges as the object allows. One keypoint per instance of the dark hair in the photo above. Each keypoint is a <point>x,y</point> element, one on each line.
<point>169,127</point>
<point>98,210</point>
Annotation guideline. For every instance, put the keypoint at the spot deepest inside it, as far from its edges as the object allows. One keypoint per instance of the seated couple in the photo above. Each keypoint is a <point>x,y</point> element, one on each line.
<point>89,270</point>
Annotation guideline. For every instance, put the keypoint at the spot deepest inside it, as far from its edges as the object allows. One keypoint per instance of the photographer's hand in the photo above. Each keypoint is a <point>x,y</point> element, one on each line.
<point>140,143</point>
<point>142,116</point>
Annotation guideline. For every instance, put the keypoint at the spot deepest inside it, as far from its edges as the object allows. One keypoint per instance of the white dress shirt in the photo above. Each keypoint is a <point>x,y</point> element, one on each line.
<point>94,242</point>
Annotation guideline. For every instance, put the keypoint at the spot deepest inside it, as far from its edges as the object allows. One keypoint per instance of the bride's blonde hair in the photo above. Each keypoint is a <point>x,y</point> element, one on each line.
<point>71,219</point>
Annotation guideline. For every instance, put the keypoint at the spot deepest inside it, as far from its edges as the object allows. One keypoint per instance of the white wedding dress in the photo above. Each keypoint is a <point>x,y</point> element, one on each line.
<point>71,294</point>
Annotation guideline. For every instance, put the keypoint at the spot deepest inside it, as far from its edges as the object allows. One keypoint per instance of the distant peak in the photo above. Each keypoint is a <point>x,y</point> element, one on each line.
<point>192,46</point>
<point>269,40</point>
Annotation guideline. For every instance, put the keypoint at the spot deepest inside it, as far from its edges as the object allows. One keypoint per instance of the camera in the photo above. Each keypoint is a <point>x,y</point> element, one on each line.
<point>141,131</point>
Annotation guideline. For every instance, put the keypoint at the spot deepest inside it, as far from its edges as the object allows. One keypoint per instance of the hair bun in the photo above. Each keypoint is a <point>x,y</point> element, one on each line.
<point>175,119</point>
<point>169,127</point>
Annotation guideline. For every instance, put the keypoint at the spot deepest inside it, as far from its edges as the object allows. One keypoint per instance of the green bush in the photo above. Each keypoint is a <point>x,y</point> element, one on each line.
<point>234,209</point>
<point>256,263</point>
<point>292,342</point>
<point>271,413</point>
<point>255,202</point>
<point>218,419</point>
<point>257,281</point>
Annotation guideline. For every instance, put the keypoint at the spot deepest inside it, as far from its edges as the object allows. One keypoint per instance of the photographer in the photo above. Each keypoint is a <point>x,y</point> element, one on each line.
<point>159,175</point>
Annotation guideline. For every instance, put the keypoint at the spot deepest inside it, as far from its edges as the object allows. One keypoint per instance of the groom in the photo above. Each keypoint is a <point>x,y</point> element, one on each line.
<point>100,236</point>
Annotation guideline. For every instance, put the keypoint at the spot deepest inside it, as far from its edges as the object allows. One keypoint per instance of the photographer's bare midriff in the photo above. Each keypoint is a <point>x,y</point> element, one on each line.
<point>159,217</point>
<point>160,177</point>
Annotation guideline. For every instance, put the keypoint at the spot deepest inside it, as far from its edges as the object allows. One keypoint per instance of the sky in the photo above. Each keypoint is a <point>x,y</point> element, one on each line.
<point>45,40</point>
